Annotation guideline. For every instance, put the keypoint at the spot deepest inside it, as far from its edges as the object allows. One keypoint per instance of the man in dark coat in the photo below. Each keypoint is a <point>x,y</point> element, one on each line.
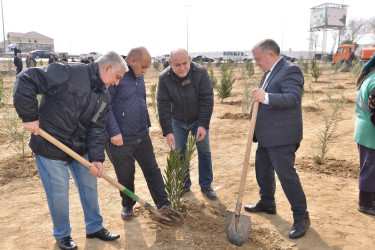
<point>18,63</point>
<point>73,109</point>
<point>278,132</point>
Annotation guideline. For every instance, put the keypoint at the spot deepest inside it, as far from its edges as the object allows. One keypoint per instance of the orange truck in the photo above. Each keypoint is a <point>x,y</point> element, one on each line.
<point>353,51</point>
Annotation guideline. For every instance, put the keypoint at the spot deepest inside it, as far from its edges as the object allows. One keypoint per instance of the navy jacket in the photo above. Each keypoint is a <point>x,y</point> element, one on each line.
<point>128,114</point>
<point>18,62</point>
<point>280,122</point>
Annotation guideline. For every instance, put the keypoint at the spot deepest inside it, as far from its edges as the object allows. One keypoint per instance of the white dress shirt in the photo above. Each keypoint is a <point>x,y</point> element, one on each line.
<point>266,99</point>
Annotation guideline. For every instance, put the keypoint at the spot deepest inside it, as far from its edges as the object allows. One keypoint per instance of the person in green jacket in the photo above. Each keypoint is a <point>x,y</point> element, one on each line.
<point>364,135</point>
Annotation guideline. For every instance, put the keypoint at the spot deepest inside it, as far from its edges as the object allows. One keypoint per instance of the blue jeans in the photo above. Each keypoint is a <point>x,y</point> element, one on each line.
<point>55,178</point>
<point>181,132</point>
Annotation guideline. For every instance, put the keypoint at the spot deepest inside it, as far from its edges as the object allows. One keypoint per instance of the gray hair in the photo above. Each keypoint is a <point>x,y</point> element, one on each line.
<point>112,58</point>
<point>268,44</point>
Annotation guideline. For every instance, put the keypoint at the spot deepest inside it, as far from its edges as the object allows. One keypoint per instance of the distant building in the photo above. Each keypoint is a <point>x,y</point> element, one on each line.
<point>28,41</point>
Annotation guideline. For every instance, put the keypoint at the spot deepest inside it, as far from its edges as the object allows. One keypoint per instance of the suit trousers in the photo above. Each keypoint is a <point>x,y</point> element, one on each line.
<point>123,159</point>
<point>280,159</point>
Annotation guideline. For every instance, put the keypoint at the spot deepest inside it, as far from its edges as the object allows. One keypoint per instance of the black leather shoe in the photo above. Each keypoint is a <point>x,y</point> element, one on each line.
<point>103,234</point>
<point>127,213</point>
<point>259,207</point>
<point>66,243</point>
<point>366,210</point>
<point>299,227</point>
<point>209,192</point>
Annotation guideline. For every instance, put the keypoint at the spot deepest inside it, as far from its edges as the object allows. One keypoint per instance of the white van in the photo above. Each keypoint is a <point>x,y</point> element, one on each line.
<point>235,56</point>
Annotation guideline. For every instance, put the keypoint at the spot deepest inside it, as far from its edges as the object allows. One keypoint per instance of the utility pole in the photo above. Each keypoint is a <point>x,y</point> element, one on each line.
<point>2,15</point>
<point>187,27</point>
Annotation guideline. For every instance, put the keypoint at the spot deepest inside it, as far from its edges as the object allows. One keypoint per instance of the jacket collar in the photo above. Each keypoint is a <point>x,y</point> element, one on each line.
<point>96,81</point>
<point>130,72</point>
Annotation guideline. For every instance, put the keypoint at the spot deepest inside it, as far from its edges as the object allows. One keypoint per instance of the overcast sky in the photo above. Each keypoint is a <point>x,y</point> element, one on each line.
<point>79,26</point>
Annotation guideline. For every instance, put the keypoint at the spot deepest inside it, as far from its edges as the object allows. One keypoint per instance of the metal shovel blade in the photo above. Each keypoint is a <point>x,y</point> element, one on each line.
<point>237,228</point>
<point>173,215</point>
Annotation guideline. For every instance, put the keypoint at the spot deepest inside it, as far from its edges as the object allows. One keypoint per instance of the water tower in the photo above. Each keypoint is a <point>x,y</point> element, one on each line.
<point>326,17</point>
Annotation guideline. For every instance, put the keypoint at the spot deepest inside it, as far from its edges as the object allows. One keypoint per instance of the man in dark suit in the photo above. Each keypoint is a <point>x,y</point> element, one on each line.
<point>278,132</point>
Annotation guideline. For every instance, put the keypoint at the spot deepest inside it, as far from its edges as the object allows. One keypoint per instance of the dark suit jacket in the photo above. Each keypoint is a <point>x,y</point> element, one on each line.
<point>280,122</point>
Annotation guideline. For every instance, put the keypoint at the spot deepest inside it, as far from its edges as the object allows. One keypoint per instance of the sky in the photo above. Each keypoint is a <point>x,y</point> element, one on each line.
<point>81,26</point>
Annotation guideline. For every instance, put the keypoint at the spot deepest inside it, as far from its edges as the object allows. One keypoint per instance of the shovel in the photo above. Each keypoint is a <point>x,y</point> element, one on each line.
<point>165,215</point>
<point>237,225</point>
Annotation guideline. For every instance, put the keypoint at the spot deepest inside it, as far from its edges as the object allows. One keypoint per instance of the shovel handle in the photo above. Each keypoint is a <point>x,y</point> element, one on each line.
<point>87,164</point>
<point>247,157</point>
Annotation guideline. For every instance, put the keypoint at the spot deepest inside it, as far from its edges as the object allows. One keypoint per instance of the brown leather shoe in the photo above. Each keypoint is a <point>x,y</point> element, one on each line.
<point>259,207</point>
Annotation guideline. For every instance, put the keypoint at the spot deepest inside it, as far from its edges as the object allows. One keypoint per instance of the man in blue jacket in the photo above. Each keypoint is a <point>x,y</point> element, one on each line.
<point>128,131</point>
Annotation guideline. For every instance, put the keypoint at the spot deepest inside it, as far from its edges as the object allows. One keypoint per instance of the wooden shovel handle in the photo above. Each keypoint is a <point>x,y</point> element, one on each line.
<point>80,159</point>
<point>247,157</point>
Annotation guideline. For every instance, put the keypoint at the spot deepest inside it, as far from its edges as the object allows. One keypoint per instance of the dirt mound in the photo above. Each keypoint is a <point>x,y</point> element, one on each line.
<point>332,167</point>
<point>238,116</point>
<point>239,102</point>
<point>17,168</point>
<point>310,109</point>
<point>204,228</point>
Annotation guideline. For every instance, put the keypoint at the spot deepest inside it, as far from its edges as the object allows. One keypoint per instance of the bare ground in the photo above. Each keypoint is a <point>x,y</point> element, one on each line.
<point>331,189</point>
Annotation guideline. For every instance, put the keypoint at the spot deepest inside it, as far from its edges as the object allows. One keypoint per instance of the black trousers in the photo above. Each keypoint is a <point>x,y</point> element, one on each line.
<point>123,159</point>
<point>280,159</point>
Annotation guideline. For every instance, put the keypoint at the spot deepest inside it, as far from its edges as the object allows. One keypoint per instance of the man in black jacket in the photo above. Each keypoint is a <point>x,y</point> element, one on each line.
<point>73,110</point>
<point>18,63</point>
<point>185,104</point>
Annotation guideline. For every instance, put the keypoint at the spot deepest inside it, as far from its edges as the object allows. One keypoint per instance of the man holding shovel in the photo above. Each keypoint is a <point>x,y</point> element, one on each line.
<point>73,110</point>
<point>278,132</point>
<point>128,131</point>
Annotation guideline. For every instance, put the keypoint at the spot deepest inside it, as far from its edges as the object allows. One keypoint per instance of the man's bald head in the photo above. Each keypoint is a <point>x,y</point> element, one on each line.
<point>138,53</point>
<point>139,59</point>
<point>178,52</point>
<point>179,61</point>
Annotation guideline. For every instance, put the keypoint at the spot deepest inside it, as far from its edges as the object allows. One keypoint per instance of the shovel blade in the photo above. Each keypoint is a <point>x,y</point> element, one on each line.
<point>237,228</point>
<point>175,217</point>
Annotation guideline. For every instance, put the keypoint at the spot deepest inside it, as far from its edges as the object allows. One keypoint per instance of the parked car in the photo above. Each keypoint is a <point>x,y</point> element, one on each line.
<point>162,58</point>
<point>94,55</point>
<point>41,54</point>
<point>235,56</point>
<point>288,57</point>
<point>203,58</point>
<point>61,54</point>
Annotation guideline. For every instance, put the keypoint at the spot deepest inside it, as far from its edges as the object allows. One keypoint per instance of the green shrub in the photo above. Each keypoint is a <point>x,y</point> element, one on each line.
<point>315,70</point>
<point>331,116</point>
<point>213,77</point>
<point>13,128</point>
<point>176,172</point>
<point>156,65</point>
<point>356,68</point>
<point>153,94</point>
<point>227,80</point>
<point>249,66</point>
<point>2,90</point>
